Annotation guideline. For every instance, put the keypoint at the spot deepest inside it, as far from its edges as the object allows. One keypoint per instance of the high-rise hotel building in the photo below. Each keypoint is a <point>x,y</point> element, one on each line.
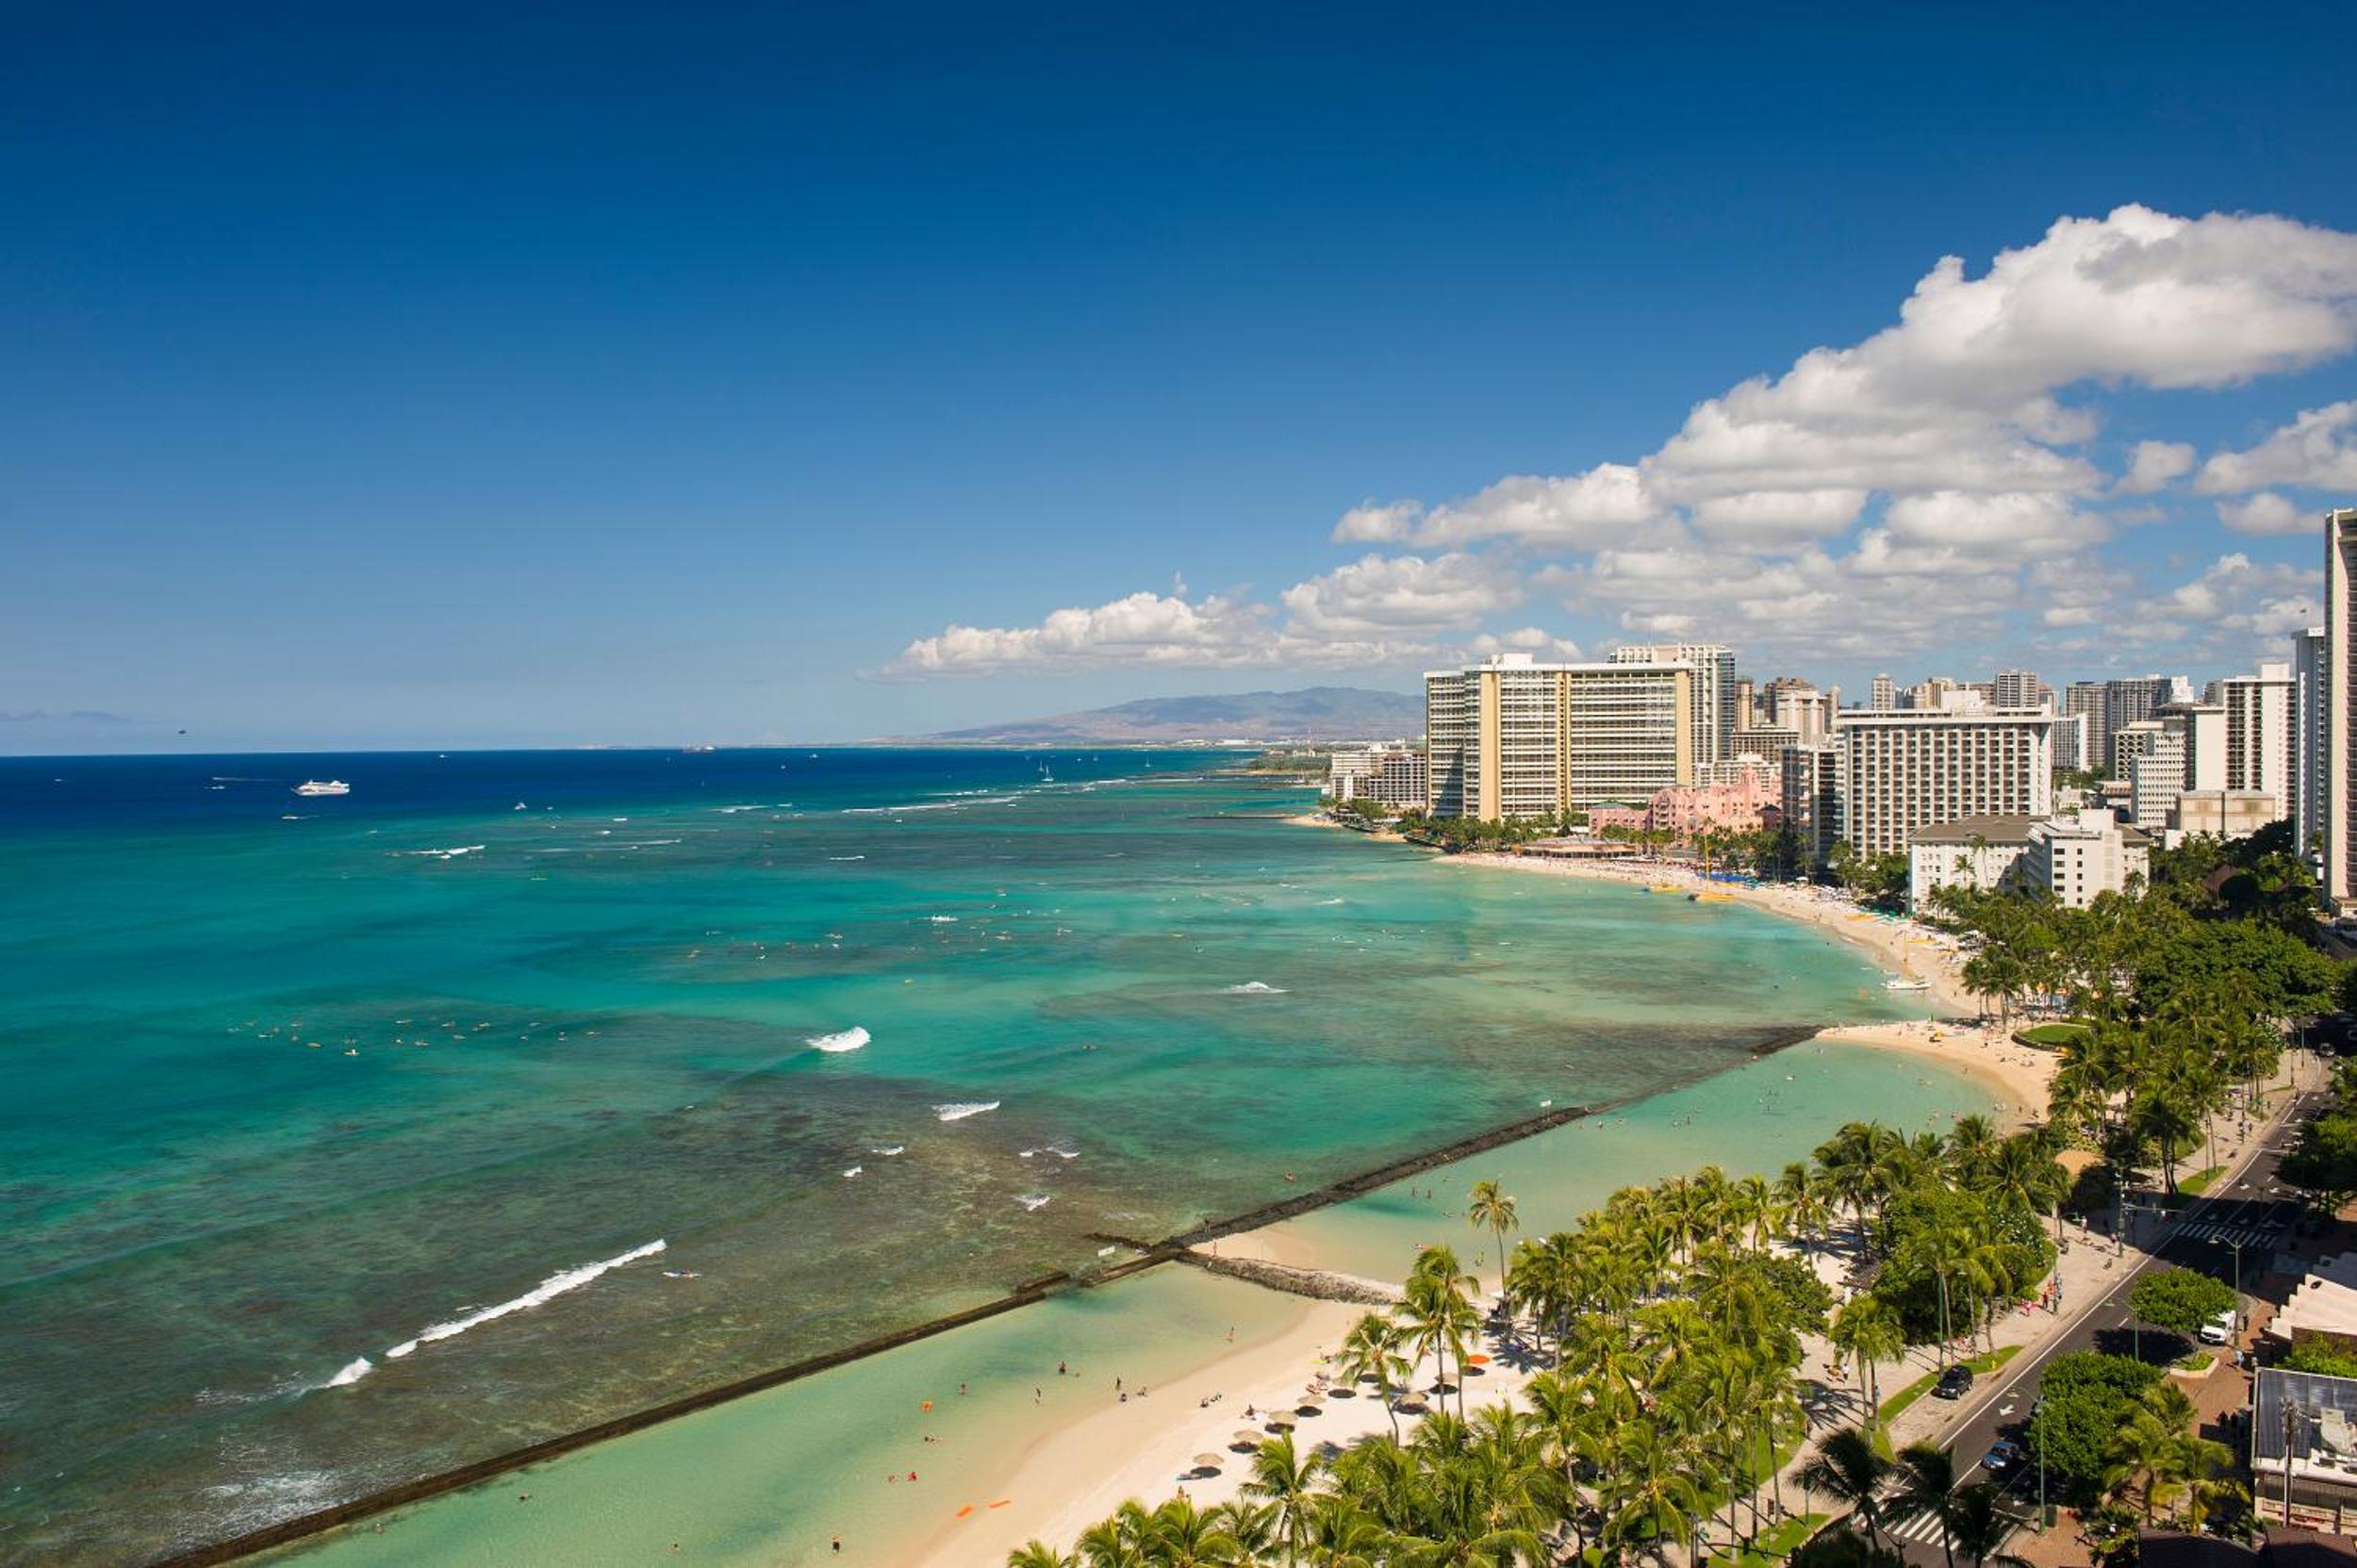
<point>1511,738</point>
<point>2308,661</point>
<point>2337,694</point>
<point>1917,768</point>
<point>1717,709</point>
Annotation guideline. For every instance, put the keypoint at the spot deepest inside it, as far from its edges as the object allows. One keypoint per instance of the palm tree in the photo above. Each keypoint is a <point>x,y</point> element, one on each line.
<point>1868,1330</point>
<point>1978,1528</point>
<point>1848,1468</point>
<point>1800,1192</point>
<point>1033,1554</point>
<point>1440,1312</point>
<point>1927,1485</point>
<point>1285,1479</point>
<point>1651,1498</point>
<point>1492,1210</point>
<point>1181,1535</point>
<point>1371,1351</point>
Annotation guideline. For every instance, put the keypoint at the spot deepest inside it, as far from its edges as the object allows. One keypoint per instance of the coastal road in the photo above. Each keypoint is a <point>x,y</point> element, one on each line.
<point>2252,1211</point>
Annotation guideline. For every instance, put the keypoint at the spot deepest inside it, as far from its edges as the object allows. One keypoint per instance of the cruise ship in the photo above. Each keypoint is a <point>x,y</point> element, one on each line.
<point>322,787</point>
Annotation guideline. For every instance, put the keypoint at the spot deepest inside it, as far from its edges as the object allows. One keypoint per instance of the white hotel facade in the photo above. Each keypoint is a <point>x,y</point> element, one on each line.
<point>1912,769</point>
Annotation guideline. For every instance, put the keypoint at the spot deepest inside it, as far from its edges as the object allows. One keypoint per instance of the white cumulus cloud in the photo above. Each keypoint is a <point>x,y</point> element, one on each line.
<point>2155,465</point>
<point>2269,513</point>
<point>2318,451</point>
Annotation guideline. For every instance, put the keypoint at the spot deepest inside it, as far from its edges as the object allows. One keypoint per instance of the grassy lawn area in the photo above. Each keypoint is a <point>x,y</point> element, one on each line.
<point>1897,1404</point>
<point>2199,1182</point>
<point>2052,1036</point>
<point>1774,1545</point>
<point>2199,1362</point>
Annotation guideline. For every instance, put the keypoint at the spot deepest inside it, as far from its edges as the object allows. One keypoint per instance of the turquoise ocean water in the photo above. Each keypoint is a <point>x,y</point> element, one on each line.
<point>341,1131</point>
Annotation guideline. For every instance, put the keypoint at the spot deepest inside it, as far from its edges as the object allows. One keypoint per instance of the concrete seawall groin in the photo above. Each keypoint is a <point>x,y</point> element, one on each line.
<point>1317,1284</point>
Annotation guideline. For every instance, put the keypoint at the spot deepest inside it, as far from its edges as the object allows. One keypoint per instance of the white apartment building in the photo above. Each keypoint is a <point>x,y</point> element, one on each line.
<point>2337,694</point>
<point>1510,737</point>
<point>1388,775</point>
<point>2019,689</point>
<point>2308,665</point>
<point>1882,696</point>
<point>1717,709</point>
<point>2153,755</point>
<point>2074,857</point>
<point>2071,754</point>
<point>2262,734</point>
<point>2070,857</point>
<point>1796,705</point>
<point>1912,770</point>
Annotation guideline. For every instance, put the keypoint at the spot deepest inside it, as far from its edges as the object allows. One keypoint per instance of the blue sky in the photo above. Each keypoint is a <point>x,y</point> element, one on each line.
<point>447,378</point>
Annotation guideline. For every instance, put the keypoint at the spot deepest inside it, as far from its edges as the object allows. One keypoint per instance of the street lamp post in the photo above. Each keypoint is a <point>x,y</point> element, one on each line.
<point>2221,1241</point>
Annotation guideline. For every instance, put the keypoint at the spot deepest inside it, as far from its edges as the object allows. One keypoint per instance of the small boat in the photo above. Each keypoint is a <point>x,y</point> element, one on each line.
<point>1712,898</point>
<point>322,787</point>
<point>1907,986</point>
<point>1664,887</point>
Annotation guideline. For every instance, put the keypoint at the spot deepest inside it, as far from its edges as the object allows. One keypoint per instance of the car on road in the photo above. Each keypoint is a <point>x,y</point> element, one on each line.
<point>2218,1330</point>
<point>1954,1383</point>
<point>2003,1456</point>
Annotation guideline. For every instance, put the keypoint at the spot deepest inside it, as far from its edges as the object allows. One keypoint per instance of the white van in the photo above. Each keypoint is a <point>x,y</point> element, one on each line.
<point>2218,1330</point>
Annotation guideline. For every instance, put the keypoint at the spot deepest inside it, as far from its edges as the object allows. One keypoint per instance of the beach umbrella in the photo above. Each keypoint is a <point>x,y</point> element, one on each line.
<point>1312,1397</point>
<point>1210,1461</point>
<point>1476,1361</point>
<point>1281,1419</point>
<point>1246,1439</point>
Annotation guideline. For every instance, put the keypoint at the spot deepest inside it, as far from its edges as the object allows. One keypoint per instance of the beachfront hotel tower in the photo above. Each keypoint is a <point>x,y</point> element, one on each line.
<point>1717,707</point>
<point>2339,692</point>
<point>1510,737</point>
<point>1918,769</point>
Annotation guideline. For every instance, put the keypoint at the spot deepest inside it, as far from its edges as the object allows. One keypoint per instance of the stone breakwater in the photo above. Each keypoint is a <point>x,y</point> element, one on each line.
<point>1317,1284</point>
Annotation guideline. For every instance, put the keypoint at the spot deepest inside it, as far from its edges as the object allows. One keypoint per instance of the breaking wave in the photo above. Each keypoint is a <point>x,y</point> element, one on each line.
<point>959,1109</point>
<point>1255,988</point>
<point>850,1039</point>
<point>547,1290</point>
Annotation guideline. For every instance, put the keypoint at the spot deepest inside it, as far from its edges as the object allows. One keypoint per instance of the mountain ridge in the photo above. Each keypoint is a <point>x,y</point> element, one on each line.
<point>1311,713</point>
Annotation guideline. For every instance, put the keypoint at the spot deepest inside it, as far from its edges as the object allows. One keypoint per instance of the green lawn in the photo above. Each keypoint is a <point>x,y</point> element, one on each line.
<point>2199,1182</point>
<point>1773,1544</point>
<point>2052,1036</point>
<point>1897,1404</point>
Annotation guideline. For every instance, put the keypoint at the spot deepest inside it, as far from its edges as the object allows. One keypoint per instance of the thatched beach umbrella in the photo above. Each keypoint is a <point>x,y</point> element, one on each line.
<point>1280,1418</point>
<point>1210,1462</point>
<point>1246,1439</point>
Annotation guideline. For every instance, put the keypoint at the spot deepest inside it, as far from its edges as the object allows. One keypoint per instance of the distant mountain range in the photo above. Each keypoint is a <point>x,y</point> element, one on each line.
<point>1319,713</point>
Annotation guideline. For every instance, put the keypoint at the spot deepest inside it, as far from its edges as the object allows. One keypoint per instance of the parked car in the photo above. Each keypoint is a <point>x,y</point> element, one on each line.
<point>2003,1456</point>
<point>1954,1383</point>
<point>2218,1330</point>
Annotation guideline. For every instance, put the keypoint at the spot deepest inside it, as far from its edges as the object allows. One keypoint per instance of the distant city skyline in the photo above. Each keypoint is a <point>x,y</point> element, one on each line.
<point>811,379</point>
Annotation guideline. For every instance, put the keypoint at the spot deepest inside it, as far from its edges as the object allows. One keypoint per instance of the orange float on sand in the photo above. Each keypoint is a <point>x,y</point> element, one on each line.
<point>966,1510</point>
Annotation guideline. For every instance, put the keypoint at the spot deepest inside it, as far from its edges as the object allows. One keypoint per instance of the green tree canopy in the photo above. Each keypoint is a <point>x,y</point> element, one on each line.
<point>2180,1299</point>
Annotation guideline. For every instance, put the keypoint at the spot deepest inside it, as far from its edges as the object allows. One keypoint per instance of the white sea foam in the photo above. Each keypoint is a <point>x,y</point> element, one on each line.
<point>958,1110</point>
<point>854,1171</point>
<point>1323,901</point>
<point>547,1290</point>
<point>943,920</point>
<point>930,805</point>
<point>352,1372</point>
<point>448,854</point>
<point>1256,988</point>
<point>847,857</point>
<point>1035,1200</point>
<point>850,1039</point>
<point>887,1150</point>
